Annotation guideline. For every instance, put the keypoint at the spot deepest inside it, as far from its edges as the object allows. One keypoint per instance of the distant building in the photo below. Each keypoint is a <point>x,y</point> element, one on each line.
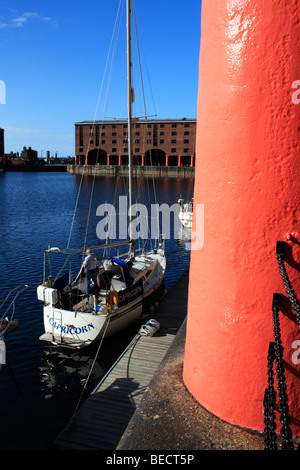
<point>13,159</point>
<point>155,142</point>
<point>29,155</point>
<point>1,146</point>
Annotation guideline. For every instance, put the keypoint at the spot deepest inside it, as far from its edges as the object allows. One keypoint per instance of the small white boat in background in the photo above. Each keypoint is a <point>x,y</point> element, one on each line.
<point>185,212</point>
<point>7,321</point>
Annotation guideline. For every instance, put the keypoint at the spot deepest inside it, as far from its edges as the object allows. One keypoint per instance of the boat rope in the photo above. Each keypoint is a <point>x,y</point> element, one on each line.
<point>153,327</point>
<point>91,369</point>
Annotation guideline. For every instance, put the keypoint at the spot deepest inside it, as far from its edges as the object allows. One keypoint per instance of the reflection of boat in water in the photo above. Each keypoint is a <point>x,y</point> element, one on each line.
<point>7,321</point>
<point>124,287</point>
<point>60,368</point>
<point>185,212</point>
<point>184,237</point>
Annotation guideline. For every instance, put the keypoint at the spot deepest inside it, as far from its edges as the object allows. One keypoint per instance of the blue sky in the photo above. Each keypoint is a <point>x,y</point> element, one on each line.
<point>54,53</point>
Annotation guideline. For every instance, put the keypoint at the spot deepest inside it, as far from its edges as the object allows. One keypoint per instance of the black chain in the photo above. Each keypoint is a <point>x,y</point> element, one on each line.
<point>270,436</point>
<point>285,420</point>
<point>280,254</point>
<point>275,354</point>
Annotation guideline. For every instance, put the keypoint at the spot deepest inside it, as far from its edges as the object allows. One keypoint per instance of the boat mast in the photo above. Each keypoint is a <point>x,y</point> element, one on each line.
<point>129,98</point>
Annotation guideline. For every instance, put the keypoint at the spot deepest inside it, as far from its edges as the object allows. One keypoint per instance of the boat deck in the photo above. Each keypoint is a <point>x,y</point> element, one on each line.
<point>104,417</point>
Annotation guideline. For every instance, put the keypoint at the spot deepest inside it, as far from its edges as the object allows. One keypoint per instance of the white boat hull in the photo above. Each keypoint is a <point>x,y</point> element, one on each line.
<point>77,329</point>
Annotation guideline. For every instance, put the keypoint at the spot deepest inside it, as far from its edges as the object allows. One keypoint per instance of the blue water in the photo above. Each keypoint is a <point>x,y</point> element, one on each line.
<point>40,385</point>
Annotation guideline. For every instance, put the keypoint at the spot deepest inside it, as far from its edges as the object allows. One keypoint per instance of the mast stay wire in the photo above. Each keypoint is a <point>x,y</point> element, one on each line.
<point>95,114</point>
<point>144,104</point>
<point>115,42</point>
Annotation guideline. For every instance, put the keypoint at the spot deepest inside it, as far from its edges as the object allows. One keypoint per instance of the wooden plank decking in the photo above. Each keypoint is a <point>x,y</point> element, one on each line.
<point>101,422</point>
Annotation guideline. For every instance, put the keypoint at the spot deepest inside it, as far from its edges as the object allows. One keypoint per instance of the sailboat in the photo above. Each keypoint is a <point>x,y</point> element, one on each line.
<point>124,288</point>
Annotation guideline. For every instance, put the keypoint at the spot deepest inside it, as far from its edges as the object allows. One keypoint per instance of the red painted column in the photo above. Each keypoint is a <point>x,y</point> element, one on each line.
<point>76,159</point>
<point>167,160</point>
<point>179,160</point>
<point>192,161</point>
<point>86,160</point>
<point>120,160</point>
<point>108,160</point>
<point>143,160</point>
<point>247,177</point>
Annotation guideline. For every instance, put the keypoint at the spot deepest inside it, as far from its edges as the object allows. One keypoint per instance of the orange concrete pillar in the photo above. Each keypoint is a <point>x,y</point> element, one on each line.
<point>247,177</point>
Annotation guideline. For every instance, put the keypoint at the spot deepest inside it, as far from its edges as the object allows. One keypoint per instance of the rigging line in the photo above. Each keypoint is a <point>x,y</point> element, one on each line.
<point>98,101</point>
<point>138,47</point>
<point>91,370</point>
<point>114,48</point>
<point>144,101</point>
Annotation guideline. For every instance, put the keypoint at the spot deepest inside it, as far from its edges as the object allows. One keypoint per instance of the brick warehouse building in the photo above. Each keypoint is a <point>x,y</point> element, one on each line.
<point>155,142</point>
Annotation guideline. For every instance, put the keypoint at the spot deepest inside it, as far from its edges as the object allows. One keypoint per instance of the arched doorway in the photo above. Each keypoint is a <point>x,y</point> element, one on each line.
<point>155,157</point>
<point>97,157</point>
